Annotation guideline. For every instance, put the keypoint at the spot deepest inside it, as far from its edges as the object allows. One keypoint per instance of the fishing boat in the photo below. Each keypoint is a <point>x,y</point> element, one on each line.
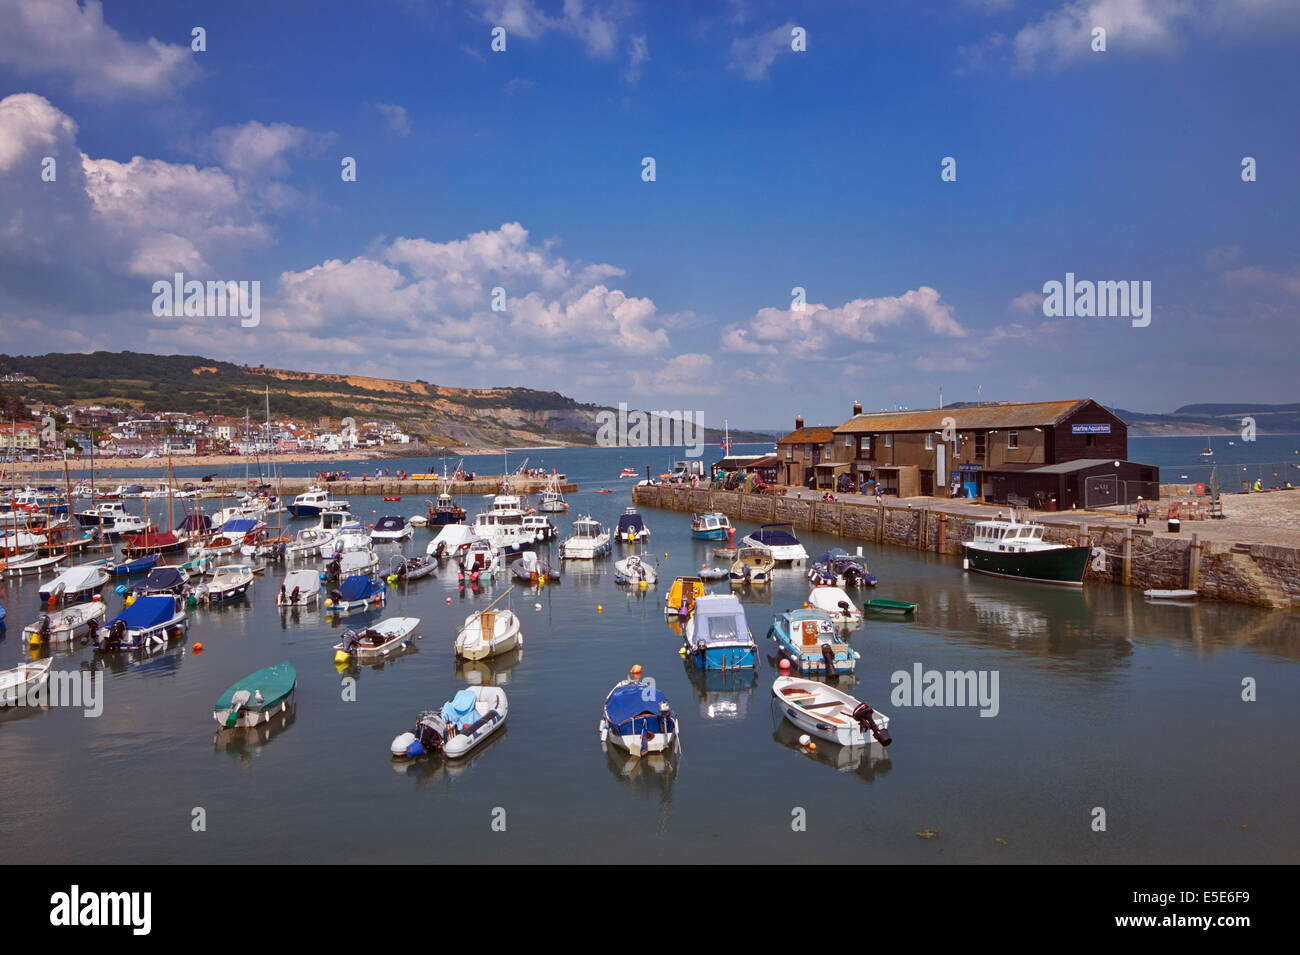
<point>76,584</point>
<point>541,527</point>
<point>638,718</point>
<point>446,510</point>
<point>717,636</point>
<point>129,568</point>
<point>391,529</point>
<point>682,596</point>
<point>531,569</point>
<point>711,527</point>
<point>257,697</point>
<point>897,608</point>
<point>588,541</point>
<point>450,541</point>
<point>837,604</point>
<point>753,565</point>
<point>168,579</point>
<point>779,538</point>
<point>373,643</point>
<point>228,582</point>
<point>634,570</point>
<point>63,626</point>
<point>1015,549</point>
<point>355,592</point>
<point>412,568</point>
<point>487,633</point>
<point>503,525</point>
<point>631,527</point>
<point>841,569</point>
<point>19,685</point>
<point>463,723</point>
<point>103,514</point>
<point>301,588</point>
<point>151,620</point>
<point>551,501</point>
<point>806,637</point>
<point>314,500</point>
<point>828,713</point>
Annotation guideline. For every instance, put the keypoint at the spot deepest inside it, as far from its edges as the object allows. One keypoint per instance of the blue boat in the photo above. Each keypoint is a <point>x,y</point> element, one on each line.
<point>631,527</point>
<point>358,590</point>
<point>638,718</point>
<point>808,639</point>
<point>718,637</point>
<point>711,527</point>
<point>839,568</point>
<point>151,620</point>
<point>128,568</point>
<point>167,579</point>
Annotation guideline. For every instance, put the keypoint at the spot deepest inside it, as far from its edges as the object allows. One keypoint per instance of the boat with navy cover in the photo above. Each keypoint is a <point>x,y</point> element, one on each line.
<point>839,567</point>
<point>638,718</point>
<point>355,592</point>
<point>632,527</point>
<point>391,529</point>
<point>167,579</point>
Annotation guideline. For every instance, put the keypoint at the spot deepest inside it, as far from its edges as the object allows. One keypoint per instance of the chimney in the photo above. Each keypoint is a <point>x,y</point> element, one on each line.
<point>798,422</point>
<point>857,408</point>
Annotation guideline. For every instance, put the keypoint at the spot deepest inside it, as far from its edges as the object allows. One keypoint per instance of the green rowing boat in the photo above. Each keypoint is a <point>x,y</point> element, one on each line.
<point>889,606</point>
<point>257,697</point>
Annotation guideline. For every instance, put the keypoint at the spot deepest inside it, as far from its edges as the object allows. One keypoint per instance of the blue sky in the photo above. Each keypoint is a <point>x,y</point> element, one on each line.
<point>774,169</point>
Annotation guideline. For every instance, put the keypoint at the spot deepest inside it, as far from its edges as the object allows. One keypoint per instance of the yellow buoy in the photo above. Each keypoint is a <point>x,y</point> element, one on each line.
<point>643,584</point>
<point>681,651</point>
<point>599,609</point>
<point>329,601</point>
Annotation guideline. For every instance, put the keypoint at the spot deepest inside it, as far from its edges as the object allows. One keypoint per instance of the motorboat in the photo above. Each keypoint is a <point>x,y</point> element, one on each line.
<point>531,569</point>
<point>779,538</point>
<point>807,638</point>
<point>351,537</point>
<point>829,713</point>
<point>753,565</point>
<point>352,562</point>
<point>1016,549</point>
<point>168,579</point>
<point>313,501</point>
<point>257,697</point>
<point>63,626</point>
<point>374,643</point>
<point>391,529</point>
<point>412,568</point>
<point>228,581</point>
<point>487,633</point>
<point>635,569</point>
<point>356,592</point>
<point>838,567</point>
<point>480,558</point>
<point>588,541</point>
<point>503,524</point>
<point>301,588</point>
<point>837,604</point>
<point>20,685</point>
<point>541,527</point>
<point>450,541</point>
<point>717,635</point>
<point>551,501</point>
<point>76,584</point>
<point>150,620</point>
<point>631,527</point>
<point>711,527</point>
<point>463,723</point>
<point>638,718</point>
<point>682,596</point>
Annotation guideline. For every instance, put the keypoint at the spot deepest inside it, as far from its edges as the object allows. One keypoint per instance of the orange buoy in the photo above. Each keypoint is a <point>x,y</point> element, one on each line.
<point>198,648</point>
<point>635,672</point>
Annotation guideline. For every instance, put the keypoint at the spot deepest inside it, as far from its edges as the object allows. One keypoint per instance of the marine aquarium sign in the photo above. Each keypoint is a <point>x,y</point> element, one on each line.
<point>1090,429</point>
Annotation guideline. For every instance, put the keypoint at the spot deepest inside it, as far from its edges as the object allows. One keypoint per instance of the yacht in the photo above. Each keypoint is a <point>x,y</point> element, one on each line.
<point>503,525</point>
<point>588,541</point>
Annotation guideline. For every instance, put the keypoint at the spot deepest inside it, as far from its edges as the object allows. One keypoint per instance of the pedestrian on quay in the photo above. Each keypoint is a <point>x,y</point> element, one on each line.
<point>879,497</point>
<point>1143,512</point>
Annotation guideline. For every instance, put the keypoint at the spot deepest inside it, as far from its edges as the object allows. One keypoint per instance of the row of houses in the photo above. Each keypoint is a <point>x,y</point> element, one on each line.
<point>1054,454</point>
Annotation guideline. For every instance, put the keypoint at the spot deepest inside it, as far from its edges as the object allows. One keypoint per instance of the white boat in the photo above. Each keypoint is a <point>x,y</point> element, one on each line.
<point>638,718</point>
<point>34,566</point>
<point>541,528</point>
<point>451,540</point>
<point>19,684</point>
<point>463,723</point>
<point>634,570</point>
<point>309,542</point>
<point>503,524</point>
<point>228,582</point>
<point>779,539</point>
<point>350,538</point>
<point>418,520</point>
<point>75,584</point>
<point>487,633</point>
<point>588,541</point>
<point>301,588</point>
<point>481,557</point>
<point>1169,594</point>
<point>551,501</point>
<point>836,603</point>
<point>373,643</point>
<point>391,529</point>
<point>830,714</point>
<point>355,562</point>
<point>62,626</point>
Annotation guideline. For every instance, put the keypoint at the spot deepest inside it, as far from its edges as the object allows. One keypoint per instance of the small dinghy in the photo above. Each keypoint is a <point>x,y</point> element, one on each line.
<point>836,603</point>
<point>35,566</point>
<point>463,723</point>
<point>257,697</point>
<point>418,520</point>
<point>386,637</point>
<point>64,625</point>
<point>487,633</point>
<point>355,592</point>
<point>634,570</point>
<point>1179,595</point>
<point>301,588</point>
<point>228,582</point>
<point>713,573</point>
<point>753,565</point>
<point>638,718</point>
<point>894,608</point>
<point>19,684</point>
<point>530,569</point>
<point>682,596</point>
<point>828,713</point>
<point>412,568</point>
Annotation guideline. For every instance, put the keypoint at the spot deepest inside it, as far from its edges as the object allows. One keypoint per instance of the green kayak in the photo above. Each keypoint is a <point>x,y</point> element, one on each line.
<point>257,697</point>
<point>888,606</point>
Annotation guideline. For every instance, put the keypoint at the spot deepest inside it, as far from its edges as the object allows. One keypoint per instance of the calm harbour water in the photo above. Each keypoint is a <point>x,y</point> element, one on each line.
<point>1105,700</point>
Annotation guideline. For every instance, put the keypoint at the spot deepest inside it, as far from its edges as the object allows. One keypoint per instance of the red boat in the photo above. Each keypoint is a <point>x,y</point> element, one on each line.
<point>395,497</point>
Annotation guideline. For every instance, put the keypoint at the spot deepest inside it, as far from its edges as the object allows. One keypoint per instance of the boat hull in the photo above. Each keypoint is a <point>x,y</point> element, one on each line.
<point>1058,566</point>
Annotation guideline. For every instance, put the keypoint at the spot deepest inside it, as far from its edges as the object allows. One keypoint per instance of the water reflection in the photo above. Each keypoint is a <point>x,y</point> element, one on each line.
<point>242,743</point>
<point>429,769</point>
<point>494,671</point>
<point>722,695</point>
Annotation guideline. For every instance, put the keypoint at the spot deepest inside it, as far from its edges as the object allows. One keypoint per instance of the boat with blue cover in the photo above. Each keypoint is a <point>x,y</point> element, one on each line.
<point>464,722</point>
<point>151,620</point>
<point>631,527</point>
<point>717,636</point>
<point>808,639</point>
<point>778,537</point>
<point>711,527</point>
<point>128,568</point>
<point>257,697</point>
<point>638,717</point>
<point>167,579</point>
<point>358,590</point>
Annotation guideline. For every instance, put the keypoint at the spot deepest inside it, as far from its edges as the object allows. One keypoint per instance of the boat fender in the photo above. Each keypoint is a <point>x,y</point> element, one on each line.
<point>864,715</point>
<point>828,654</point>
<point>120,589</point>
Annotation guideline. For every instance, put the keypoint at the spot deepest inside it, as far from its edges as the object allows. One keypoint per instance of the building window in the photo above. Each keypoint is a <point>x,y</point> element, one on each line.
<point>889,440</point>
<point>789,453</point>
<point>848,441</point>
<point>1089,440</point>
<point>929,442</point>
<point>1013,440</point>
<point>979,445</point>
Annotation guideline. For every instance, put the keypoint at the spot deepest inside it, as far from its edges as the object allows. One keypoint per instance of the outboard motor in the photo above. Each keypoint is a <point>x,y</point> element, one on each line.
<point>296,596</point>
<point>351,640</point>
<point>844,607</point>
<point>864,715</point>
<point>43,627</point>
<point>284,597</point>
<point>828,654</point>
<point>92,630</point>
<point>439,552</point>
<point>116,634</point>
<point>335,566</point>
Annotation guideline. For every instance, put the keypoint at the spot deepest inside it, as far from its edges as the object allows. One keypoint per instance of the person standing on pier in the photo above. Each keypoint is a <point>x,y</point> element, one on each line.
<point>1143,511</point>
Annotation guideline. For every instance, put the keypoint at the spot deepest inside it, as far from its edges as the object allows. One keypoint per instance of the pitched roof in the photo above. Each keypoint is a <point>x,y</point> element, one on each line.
<point>1009,414</point>
<point>809,436</point>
